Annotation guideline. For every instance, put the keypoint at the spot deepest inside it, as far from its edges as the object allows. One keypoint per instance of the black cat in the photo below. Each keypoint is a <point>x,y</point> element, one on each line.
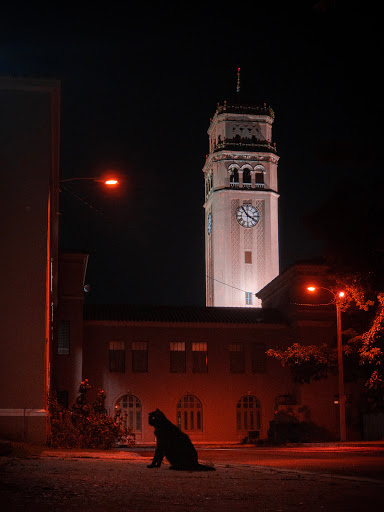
<point>173,444</point>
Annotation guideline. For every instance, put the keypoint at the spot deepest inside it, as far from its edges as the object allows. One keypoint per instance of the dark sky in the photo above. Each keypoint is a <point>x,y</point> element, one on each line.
<point>139,87</point>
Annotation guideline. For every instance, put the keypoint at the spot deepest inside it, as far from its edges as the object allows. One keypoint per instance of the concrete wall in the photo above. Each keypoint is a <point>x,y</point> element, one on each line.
<point>29,141</point>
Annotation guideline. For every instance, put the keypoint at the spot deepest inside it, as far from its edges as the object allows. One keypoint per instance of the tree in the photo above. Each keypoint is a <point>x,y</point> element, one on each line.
<point>363,352</point>
<point>307,362</point>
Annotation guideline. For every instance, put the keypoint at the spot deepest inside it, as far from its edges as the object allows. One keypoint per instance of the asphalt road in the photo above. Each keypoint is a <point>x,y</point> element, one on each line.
<point>245,480</point>
<point>360,461</point>
<point>353,461</point>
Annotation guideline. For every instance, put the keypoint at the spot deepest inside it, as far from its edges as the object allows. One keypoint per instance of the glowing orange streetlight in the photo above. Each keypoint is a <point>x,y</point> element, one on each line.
<point>336,301</point>
<point>109,181</point>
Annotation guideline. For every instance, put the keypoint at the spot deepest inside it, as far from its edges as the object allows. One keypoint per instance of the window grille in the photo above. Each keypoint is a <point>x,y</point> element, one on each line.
<point>177,357</point>
<point>63,338</point>
<point>199,357</point>
<point>248,416</point>
<point>117,356</point>
<point>128,412</point>
<point>189,414</point>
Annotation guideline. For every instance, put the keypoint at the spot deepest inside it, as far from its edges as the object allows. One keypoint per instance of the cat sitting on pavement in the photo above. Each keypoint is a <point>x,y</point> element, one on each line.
<point>174,445</point>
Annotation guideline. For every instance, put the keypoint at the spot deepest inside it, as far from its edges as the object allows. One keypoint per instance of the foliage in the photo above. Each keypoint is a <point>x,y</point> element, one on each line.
<point>369,347</point>
<point>363,352</point>
<point>307,362</point>
<point>84,425</point>
<point>355,291</point>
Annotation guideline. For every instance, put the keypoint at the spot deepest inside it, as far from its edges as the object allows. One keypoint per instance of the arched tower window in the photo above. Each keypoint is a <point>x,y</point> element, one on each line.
<point>248,414</point>
<point>128,410</point>
<point>234,178</point>
<point>259,176</point>
<point>246,178</point>
<point>189,414</point>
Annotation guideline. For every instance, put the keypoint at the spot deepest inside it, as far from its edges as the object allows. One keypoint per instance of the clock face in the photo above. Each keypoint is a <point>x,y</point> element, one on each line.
<point>209,223</point>
<point>247,215</point>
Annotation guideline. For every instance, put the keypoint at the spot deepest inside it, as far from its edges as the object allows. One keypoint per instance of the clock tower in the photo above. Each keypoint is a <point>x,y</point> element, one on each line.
<point>241,205</point>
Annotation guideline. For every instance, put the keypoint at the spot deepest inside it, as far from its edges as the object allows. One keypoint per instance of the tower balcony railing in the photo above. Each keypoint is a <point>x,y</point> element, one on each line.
<point>240,144</point>
<point>245,109</point>
<point>236,184</point>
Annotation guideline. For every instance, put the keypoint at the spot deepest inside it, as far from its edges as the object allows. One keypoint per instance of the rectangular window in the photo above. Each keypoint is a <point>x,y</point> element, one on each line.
<point>236,358</point>
<point>177,357</point>
<point>199,357</point>
<point>247,256</point>
<point>63,337</point>
<point>248,298</point>
<point>258,357</point>
<point>117,356</point>
<point>140,356</point>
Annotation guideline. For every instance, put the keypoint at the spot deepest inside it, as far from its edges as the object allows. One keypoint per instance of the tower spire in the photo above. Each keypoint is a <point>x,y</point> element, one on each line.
<point>238,81</point>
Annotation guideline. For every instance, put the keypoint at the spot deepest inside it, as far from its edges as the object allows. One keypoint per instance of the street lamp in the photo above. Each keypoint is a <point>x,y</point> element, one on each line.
<point>109,181</point>
<point>336,301</point>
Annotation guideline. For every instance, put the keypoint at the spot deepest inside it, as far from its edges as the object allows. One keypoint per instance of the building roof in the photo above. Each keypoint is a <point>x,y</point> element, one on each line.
<point>179,314</point>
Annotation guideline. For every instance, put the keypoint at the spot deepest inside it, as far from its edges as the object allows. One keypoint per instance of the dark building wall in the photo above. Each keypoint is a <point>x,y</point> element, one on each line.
<point>67,368</point>
<point>29,137</point>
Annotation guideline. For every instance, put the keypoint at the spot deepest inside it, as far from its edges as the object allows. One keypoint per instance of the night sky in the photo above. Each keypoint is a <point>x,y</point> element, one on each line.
<point>139,87</point>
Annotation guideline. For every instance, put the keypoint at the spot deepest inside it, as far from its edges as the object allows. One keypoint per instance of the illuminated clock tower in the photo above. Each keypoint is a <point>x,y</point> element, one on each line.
<point>241,205</point>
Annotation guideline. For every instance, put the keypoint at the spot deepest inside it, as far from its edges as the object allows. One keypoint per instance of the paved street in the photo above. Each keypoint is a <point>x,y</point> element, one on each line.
<point>57,480</point>
<point>348,460</point>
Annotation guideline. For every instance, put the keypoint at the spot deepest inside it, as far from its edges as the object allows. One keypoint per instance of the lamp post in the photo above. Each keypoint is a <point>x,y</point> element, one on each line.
<point>109,182</point>
<point>336,300</point>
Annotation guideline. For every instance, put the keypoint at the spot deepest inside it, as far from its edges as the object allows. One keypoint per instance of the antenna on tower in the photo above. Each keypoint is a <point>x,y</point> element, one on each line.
<point>238,81</point>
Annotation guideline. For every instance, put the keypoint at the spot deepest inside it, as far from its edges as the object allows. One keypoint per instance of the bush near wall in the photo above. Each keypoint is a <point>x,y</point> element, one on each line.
<point>286,428</point>
<point>85,425</point>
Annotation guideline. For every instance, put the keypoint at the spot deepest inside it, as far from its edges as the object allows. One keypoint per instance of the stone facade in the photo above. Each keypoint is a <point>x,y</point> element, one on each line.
<point>241,206</point>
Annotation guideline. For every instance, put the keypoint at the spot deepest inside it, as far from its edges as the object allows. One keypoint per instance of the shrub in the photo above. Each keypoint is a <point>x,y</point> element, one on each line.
<point>84,425</point>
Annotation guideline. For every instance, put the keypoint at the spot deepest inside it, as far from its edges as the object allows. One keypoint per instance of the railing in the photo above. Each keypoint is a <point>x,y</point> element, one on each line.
<point>246,109</point>
<point>245,145</point>
<point>236,184</point>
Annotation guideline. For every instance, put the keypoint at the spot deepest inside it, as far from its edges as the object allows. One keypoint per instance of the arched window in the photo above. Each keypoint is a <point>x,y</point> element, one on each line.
<point>234,178</point>
<point>248,413</point>
<point>246,178</point>
<point>190,414</point>
<point>128,411</point>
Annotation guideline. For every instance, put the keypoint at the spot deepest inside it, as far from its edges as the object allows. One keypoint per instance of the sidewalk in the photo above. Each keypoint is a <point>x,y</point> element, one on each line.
<point>25,449</point>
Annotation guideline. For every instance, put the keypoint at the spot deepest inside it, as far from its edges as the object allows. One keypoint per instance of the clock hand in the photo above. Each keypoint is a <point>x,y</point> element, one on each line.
<point>247,214</point>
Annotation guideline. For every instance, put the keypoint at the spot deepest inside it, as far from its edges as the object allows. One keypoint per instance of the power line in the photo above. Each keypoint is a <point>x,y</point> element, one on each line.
<point>226,284</point>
